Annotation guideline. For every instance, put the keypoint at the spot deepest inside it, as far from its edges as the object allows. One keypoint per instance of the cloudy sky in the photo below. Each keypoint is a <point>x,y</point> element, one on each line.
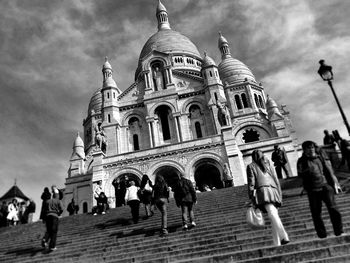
<point>51,54</point>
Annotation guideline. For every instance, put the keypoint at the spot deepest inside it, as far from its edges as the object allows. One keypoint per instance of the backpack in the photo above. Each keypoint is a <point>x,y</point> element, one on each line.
<point>182,189</point>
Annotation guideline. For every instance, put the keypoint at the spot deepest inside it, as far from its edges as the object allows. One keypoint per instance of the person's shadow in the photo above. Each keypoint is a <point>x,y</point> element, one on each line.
<point>32,251</point>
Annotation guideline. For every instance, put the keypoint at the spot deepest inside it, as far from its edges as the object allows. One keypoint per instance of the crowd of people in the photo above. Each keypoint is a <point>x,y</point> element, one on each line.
<point>154,196</point>
<point>15,212</point>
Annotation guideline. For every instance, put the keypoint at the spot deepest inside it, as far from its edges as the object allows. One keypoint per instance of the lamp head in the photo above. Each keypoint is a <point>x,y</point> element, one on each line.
<point>325,71</point>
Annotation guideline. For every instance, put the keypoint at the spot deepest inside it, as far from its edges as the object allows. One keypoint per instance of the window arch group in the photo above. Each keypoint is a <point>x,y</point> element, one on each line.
<point>259,101</point>
<point>241,101</point>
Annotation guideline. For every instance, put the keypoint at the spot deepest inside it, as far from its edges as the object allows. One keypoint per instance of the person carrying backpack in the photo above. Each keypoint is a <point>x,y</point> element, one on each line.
<point>185,197</point>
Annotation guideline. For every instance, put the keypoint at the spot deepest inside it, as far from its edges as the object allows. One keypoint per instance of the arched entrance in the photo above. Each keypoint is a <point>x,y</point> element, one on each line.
<point>170,174</point>
<point>207,173</point>
<point>120,184</point>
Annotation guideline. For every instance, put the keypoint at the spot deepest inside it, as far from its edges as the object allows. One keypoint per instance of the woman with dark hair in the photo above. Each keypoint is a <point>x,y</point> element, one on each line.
<point>161,198</point>
<point>146,197</point>
<point>46,195</point>
<point>265,192</point>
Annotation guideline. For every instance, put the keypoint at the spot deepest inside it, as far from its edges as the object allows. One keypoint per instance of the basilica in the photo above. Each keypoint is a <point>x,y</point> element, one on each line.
<point>184,114</point>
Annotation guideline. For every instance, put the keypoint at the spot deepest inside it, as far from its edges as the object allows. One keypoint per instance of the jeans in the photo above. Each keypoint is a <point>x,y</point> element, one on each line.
<point>30,218</point>
<point>135,208</point>
<point>161,204</point>
<point>187,209</point>
<point>315,200</point>
<point>278,231</point>
<point>51,230</point>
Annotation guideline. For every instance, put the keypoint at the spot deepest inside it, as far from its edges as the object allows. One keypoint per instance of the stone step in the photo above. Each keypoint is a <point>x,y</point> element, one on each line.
<point>238,230</point>
<point>220,216</point>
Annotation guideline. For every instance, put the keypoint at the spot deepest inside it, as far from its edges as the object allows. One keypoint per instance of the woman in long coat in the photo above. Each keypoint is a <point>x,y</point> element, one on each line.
<point>265,192</point>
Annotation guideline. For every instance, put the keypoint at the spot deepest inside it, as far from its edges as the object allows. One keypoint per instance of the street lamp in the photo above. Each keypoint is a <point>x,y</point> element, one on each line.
<point>326,74</point>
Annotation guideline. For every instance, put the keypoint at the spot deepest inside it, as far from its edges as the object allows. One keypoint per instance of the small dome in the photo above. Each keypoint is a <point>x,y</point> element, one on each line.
<point>96,102</point>
<point>111,83</point>
<point>160,7</point>
<point>106,65</point>
<point>272,108</point>
<point>78,147</point>
<point>234,71</point>
<point>207,61</point>
<point>222,40</point>
<point>270,103</point>
<point>78,142</point>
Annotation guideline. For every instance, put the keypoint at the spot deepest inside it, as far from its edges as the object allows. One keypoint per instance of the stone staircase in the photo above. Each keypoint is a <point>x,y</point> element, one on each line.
<point>221,235</point>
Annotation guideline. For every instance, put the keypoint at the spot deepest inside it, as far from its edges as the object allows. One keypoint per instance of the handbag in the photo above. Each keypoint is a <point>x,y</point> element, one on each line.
<point>148,187</point>
<point>255,218</point>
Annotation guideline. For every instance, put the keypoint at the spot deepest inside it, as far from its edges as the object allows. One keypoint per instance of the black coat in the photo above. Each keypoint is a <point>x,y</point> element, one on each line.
<point>184,192</point>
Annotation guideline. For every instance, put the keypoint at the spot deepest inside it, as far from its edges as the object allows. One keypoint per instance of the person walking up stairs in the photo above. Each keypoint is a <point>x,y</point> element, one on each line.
<point>185,197</point>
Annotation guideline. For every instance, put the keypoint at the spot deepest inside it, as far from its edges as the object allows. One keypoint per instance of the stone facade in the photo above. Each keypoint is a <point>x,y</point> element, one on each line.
<point>183,114</point>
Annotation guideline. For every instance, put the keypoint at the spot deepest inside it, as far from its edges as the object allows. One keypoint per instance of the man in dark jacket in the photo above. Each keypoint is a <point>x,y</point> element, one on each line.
<point>185,196</point>
<point>53,209</point>
<point>320,183</point>
<point>72,208</point>
<point>280,161</point>
<point>345,152</point>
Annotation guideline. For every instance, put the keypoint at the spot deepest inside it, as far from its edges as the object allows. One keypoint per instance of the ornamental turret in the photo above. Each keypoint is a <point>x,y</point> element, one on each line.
<point>162,17</point>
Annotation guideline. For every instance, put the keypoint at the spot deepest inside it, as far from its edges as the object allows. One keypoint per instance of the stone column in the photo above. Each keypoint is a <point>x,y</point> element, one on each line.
<point>119,134</point>
<point>148,82</point>
<point>176,116</point>
<point>169,79</point>
<point>150,131</point>
<point>157,133</point>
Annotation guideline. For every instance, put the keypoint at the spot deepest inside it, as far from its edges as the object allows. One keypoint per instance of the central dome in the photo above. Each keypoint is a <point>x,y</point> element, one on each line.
<point>167,41</point>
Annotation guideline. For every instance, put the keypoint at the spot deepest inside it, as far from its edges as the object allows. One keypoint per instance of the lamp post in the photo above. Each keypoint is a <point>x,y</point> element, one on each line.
<point>326,74</point>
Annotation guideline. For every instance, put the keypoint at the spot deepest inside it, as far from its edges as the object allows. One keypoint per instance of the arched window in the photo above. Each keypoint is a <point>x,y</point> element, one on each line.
<point>211,74</point>
<point>256,101</point>
<point>136,142</point>
<point>198,130</point>
<point>134,132</point>
<point>238,102</point>
<point>244,100</point>
<point>163,113</point>
<point>261,102</point>
<point>109,118</point>
<point>85,207</point>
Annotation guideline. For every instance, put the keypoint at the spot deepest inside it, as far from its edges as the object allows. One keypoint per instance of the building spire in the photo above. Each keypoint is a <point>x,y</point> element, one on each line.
<point>162,17</point>
<point>107,71</point>
<point>78,147</point>
<point>223,47</point>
